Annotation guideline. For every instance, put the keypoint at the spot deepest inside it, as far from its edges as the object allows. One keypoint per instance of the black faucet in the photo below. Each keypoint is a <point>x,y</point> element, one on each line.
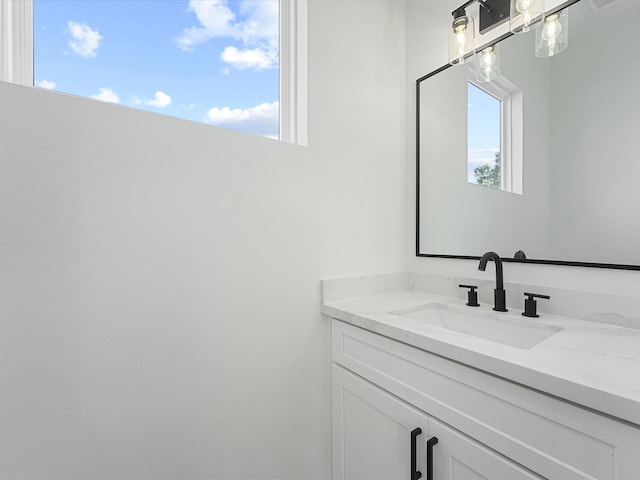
<point>499,295</point>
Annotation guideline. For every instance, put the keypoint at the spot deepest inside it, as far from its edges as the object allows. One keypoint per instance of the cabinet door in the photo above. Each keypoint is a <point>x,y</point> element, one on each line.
<point>371,433</point>
<point>458,457</point>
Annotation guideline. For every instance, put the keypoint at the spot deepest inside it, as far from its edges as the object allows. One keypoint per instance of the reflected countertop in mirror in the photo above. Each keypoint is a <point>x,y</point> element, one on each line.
<point>567,186</point>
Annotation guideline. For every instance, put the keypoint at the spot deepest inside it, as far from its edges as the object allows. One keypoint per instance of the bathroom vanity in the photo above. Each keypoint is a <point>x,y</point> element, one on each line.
<point>482,394</point>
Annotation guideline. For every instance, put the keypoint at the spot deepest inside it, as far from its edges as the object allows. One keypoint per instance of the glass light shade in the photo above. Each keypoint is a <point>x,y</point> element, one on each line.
<point>525,15</point>
<point>488,64</point>
<point>553,36</point>
<point>462,41</point>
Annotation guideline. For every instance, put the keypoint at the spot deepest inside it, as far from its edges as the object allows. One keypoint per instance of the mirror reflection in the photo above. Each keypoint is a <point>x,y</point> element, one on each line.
<point>542,158</point>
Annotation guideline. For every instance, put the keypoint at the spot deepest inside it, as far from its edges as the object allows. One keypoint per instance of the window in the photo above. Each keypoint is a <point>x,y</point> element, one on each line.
<point>231,63</point>
<point>494,135</point>
<point>484,138</point>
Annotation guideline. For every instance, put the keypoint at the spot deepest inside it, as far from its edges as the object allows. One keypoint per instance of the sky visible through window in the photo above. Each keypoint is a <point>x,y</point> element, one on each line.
<point>211,61</point>
<point>483,129</point>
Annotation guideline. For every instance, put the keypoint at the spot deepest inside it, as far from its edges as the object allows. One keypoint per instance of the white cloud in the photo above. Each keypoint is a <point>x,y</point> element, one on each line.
<point>483,155</point>
<point>480,161</point>
<point>216,20</point>
<point>262,119</point>
<point>106,95</point>
<point>254,58</point>
<point>85,41</point>
<point>262,22</point>
<point>45,84</point>
<point>258,30</point>
<point>160,100</point>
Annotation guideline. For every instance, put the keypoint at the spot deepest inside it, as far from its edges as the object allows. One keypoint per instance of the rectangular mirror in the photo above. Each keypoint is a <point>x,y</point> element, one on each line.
<point>544,159</point>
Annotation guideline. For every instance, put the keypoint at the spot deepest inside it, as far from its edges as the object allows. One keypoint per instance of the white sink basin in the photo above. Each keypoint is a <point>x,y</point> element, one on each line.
<point>505,328</point>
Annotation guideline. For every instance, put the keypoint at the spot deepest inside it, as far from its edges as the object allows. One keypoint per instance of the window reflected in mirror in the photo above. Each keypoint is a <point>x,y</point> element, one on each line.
<point>484,132</point>
<point>494,135</point>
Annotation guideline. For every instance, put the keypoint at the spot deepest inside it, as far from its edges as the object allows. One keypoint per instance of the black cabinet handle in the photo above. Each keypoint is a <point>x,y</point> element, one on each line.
<point>415,474</point>
<point>430,443</point>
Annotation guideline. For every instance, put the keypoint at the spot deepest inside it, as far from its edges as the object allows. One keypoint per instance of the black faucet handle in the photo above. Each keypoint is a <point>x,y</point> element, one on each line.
<point>530,304</point>
<point>472,295</point>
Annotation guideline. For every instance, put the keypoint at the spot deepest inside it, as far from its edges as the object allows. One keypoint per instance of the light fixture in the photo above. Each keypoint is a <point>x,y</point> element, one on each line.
<point>525,15</point>
<point>553,37</point>
<point>461,37</point>
<point>488,64</point>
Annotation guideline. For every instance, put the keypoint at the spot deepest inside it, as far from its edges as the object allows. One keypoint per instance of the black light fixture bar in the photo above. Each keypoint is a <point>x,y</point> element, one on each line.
<point>463,7</point>
<point>492,13</point>
<point>496,14</point>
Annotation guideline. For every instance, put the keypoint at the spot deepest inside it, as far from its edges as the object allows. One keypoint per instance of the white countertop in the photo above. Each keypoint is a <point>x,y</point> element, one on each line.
<point>594,365</point>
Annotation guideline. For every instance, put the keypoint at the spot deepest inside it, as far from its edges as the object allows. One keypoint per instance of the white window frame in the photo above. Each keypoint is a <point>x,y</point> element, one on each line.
<point>293,71</point>
<point>16,59</point>
<point>511,130</point>
<point>16,41</point>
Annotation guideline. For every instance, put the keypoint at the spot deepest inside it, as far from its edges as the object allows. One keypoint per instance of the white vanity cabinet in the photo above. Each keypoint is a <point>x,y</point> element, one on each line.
<point>486,427</point>
<point>372,431</point>
<point>372,436</point>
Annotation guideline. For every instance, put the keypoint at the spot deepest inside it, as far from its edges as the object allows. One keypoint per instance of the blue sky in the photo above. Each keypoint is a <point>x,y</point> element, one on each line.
<point>483,129</point>
<point>212,61</point>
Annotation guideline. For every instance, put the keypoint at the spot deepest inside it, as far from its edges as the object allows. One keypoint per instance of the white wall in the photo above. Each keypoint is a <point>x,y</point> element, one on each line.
<point>159,280</point>
<point>427,50</point>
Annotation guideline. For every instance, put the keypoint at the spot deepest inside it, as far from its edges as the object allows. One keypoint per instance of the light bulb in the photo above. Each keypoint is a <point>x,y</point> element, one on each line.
<point>525,15</point>
<point>461,41</point>
<point>461,37</point>
<point>552,28</point>
<point>460,25</point>
<point>487,65</point>
<point>552,37</point>
<point>488,58</point>
<point>524,5</point>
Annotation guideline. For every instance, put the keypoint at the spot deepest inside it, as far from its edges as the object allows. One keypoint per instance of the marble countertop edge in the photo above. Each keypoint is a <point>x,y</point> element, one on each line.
<point>556,367</point>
